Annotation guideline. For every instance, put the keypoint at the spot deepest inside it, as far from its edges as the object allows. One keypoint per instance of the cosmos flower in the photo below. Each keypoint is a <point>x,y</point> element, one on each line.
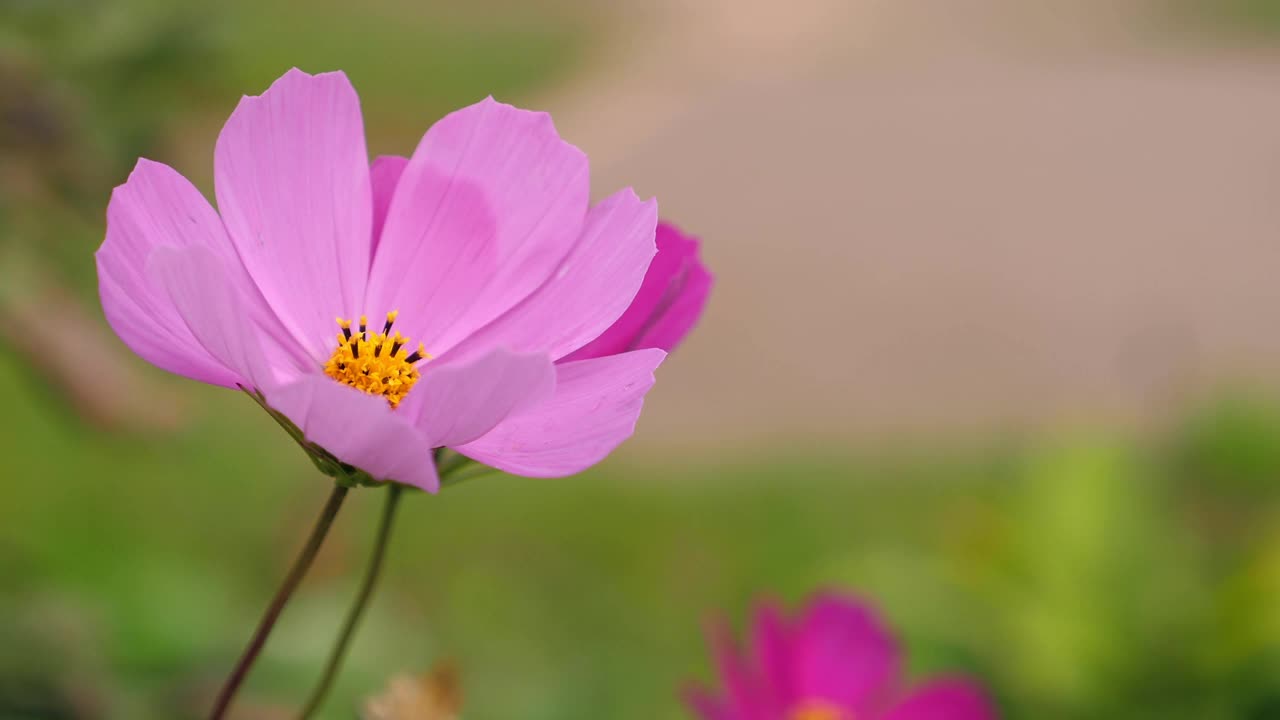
<point>836,661</point>
<point>382,312</point>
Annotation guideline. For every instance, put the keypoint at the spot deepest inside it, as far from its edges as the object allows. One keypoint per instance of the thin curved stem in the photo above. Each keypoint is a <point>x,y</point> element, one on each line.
<point>449,461</point>
<point>300,566</point>
<point>464,473</point>
<point>371,573</point>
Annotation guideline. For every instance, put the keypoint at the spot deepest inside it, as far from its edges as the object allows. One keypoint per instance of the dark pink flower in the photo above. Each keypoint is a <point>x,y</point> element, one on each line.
<point>481,250</point>
<point>836,661</point>
<point>668,305</point>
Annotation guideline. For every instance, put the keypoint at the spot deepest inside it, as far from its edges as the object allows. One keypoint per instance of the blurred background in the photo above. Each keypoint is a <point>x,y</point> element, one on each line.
<point>994,345</point>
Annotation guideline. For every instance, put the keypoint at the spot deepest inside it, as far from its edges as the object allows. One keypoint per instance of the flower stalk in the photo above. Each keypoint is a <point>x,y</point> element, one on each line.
<point>354,614</point>
<point>453,468</point>
<point>299,569</point>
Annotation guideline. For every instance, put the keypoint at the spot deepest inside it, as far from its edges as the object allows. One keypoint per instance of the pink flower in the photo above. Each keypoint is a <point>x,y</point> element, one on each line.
<point>389,310</point>
<point>835,662</point>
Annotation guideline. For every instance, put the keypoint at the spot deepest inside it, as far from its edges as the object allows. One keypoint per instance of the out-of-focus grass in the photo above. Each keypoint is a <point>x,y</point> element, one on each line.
<point>1260,15</point>
<point>1081,579</point>
<point>457,53</point>
<point>1259,19</point>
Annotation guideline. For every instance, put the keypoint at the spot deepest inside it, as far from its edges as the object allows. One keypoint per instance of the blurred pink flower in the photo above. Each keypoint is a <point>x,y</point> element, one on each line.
<point>482,248</point>
<point>835,662</point>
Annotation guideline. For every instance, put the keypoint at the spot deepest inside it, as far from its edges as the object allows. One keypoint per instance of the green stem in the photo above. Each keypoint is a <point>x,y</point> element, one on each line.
<point>339,652</point>
<point>268,621</point>
<point>449,462</point>
<point>465,473</point>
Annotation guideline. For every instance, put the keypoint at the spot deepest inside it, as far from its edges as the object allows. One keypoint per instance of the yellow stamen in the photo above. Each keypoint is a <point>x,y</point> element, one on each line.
<point>818,710</point>
<point>375,363</point>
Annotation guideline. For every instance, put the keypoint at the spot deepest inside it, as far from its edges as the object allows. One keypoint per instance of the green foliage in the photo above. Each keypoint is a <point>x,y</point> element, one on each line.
<point>1232,444</point>
<point>1249,18</point>
<point>1076,578</point>
<point>1263,15</point>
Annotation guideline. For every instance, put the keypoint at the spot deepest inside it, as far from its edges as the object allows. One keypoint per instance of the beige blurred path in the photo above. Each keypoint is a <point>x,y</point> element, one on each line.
<point>930,220</point>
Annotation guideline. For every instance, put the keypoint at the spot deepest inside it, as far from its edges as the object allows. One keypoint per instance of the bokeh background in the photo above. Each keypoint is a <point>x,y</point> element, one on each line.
<point>994,345</point>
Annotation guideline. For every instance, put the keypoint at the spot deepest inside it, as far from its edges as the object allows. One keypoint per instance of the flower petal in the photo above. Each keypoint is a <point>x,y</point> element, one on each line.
<point>844,655</point>
<point>594,408</point>
<point>199,286</point>
<point>668,304</point>
<point>945,699</point>
<point>384,175</point>
<point>741,686</point>
<point>591,288</point>
<point>456,403</point>
<point>488,206</point>
<point>680,308</point>
<point>158,207</point>
<point>773,656</point>
<point>292,179</point>
<point>357,428</point>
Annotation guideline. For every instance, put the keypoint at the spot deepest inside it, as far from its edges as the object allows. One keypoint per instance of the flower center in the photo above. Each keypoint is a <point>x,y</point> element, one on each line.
<point>376,363</point>
<point>818,710</point>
